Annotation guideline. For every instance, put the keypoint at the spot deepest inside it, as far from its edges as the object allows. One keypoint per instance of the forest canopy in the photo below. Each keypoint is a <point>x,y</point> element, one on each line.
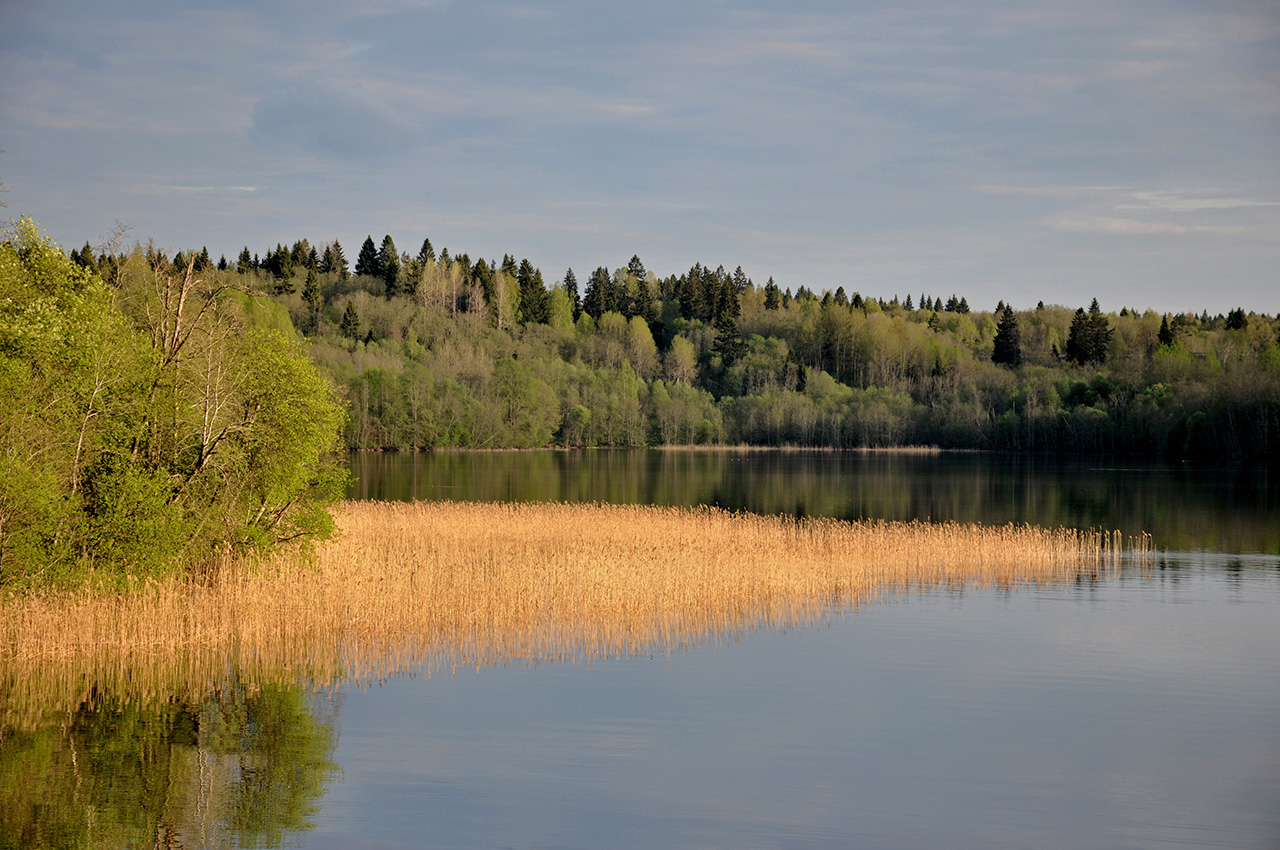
<point>441,350</point>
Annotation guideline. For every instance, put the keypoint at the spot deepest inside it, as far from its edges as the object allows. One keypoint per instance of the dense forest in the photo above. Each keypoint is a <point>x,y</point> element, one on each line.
<point>432,350</point>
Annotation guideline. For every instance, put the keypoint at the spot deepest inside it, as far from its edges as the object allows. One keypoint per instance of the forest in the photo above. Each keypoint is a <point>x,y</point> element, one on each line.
<point>433,350</point>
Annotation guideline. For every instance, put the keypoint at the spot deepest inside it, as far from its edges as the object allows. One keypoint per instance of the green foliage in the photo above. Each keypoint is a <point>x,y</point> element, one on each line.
<point>148,427</point>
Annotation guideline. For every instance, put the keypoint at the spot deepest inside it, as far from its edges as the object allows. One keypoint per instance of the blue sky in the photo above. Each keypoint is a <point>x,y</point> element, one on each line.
<point>998,150</point>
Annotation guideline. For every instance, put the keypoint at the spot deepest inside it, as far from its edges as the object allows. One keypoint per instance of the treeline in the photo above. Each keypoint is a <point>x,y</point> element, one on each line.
<point>434,350</point>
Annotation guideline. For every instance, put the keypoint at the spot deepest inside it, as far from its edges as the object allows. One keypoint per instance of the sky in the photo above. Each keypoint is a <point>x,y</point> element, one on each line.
<point>1017,151</point>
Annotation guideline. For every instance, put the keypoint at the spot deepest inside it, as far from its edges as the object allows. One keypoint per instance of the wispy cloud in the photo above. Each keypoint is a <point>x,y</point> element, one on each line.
<point>1132,227</point>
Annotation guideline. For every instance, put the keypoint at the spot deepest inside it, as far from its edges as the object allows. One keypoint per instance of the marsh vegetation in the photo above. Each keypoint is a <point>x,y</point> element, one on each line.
<point>421,587</point>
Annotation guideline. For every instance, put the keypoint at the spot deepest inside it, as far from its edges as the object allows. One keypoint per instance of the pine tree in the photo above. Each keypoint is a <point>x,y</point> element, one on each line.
<point>350,326</point>
<point>1008,342</point>
<point>367,262</point>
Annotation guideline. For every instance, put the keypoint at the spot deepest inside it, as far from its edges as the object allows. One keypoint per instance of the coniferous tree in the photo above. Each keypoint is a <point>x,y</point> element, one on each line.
<point>533,294</point>
<point>350,327</point>
<point>311,295</point>
<point>426,254</point>
<point>1090,336</point>
<point>1078,348</point>
<point>635,268</point>
<point>367,261</point>
<point>222,263</point>
<point>1008,342</point>
<point>571,289</point>
<point>326,260</point>
<point>593,301</point>
<point>244,263</point>
<point>1237,320</point>
<point>772,297</point>
<point>1100,333</point>
<point>1166,335</point>
<point>389,265</point>
<point>339,264</point>
<point>299,252</point>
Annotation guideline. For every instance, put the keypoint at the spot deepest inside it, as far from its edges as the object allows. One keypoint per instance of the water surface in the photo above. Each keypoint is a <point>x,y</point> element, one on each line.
<point>1138,710</point>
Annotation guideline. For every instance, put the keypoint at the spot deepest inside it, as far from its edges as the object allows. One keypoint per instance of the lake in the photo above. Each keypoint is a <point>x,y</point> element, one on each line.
<point>1138,710</point>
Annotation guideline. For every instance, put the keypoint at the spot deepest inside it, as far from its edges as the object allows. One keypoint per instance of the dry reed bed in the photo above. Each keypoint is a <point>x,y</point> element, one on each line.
<point>409,587</point>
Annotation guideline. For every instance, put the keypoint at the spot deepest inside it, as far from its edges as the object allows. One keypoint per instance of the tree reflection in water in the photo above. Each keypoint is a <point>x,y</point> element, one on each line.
<point>240,768</point>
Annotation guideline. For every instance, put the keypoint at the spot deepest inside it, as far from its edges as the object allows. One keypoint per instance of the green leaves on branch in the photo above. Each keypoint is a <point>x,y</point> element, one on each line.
<point>150,426</point>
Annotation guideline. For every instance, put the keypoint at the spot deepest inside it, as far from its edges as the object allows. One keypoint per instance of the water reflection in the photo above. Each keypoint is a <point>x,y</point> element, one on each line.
<point>1186,508</point>
<point>238,768</point>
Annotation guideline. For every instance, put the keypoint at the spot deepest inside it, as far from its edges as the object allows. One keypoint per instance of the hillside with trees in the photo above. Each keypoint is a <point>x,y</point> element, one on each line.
<point>435,350</point>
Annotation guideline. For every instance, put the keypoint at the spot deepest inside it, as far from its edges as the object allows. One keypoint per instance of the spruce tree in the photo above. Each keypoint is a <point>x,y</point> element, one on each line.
<point>367,262</point>
<point>426,254</point>
<point>1165,336</point>
<point>1078,347</point>
<point>772,297</point>
<point>1100,333</point>
<point>311,295</point>
<point>244,263</point>
<point>571,289</point>
<point>593,301</point>
<point>635,268</point>
<point>350,326</point>
<point>389,265</point>
<point>534,306</point>
<point>1008,342</point>
<point>339,262</point>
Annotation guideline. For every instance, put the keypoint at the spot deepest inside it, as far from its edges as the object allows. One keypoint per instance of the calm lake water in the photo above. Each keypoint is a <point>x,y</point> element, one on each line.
<point>1141,710</point>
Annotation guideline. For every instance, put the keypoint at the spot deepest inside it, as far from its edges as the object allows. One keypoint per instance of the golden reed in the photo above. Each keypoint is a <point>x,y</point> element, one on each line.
<point>414,587</point>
